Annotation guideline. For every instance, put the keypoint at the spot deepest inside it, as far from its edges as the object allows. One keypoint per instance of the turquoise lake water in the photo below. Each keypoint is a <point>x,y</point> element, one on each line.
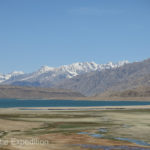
<point>7,103</point>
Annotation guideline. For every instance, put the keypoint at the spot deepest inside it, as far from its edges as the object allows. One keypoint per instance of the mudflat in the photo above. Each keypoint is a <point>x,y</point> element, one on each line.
<point>75,128</point>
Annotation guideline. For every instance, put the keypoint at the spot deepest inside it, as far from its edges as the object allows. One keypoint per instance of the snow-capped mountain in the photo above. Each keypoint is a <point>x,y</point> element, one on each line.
<point>4,77</point>
<point>48,76</point>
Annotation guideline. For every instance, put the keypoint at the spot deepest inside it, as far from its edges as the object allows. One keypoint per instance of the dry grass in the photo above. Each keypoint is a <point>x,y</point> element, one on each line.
<point>61,128</point>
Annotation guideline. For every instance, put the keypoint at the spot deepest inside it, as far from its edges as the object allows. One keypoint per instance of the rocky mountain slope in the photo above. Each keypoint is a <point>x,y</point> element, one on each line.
<point>49,76</point>
<point>4,77</point>
<point>142,91</point>
<point>136,93</point>
<point>90,79</point>
<point>116,79</point>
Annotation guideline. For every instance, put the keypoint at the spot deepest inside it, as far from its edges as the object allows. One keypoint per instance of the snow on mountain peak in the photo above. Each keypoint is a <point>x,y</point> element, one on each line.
<point>114,65</point>
<point>46,73</point>
<point>4,77</point>
<point>80,67</point>
<point>16,73</point>
<point>44,69</point>
<point>121,63</point>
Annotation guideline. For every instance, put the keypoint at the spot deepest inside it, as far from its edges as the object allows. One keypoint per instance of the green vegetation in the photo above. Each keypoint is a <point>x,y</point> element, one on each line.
<point>126,123</point>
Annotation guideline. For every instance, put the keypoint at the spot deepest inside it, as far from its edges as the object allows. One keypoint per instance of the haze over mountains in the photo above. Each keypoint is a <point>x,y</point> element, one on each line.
<point>90,79</point>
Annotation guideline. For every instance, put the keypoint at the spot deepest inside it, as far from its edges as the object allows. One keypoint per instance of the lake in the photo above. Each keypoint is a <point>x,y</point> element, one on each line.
<point>8,103</point>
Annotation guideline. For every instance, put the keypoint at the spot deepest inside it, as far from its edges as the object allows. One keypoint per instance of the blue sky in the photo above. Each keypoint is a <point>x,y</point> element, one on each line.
<point>56,32</point>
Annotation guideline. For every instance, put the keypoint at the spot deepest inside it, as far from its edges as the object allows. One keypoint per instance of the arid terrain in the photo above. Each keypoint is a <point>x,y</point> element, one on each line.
<point>103,128</point>
<point>141,93</point>
<point>20,92</point>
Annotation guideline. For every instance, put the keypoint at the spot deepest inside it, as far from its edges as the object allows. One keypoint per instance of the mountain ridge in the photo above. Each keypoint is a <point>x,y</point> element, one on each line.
<point>88,81</point>
<point>122,78</point>
<point>48,76</point>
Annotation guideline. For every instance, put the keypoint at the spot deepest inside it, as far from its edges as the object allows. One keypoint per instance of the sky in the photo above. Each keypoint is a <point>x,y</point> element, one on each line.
<point>34,33</point>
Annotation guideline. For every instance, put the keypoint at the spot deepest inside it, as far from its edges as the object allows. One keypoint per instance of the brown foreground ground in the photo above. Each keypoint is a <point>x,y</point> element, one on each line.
<point>87,128</point>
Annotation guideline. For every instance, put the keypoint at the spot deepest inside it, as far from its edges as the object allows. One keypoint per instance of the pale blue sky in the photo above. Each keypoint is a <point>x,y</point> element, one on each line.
<point>56,32</point>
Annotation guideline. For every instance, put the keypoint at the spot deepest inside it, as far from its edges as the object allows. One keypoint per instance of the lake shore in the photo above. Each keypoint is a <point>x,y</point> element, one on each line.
<point>117,98</point>
<point>92,98</point>
<point>47,109</point>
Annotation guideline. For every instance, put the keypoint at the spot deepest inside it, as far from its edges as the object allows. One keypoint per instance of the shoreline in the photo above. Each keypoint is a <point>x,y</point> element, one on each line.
<point>86,98</point>
<point>48,109</point>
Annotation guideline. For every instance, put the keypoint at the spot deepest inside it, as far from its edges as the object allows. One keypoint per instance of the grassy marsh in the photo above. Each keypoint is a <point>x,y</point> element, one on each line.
<point>124,123</point>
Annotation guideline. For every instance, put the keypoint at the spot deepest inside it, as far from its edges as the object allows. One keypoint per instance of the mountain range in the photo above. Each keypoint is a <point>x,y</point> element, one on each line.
<point>128,76</point>
<point>123,79</point>
<point>50,76</point>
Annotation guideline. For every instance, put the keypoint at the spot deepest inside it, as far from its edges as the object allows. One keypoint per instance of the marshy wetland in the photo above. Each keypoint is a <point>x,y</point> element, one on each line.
<point>122,128</point>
